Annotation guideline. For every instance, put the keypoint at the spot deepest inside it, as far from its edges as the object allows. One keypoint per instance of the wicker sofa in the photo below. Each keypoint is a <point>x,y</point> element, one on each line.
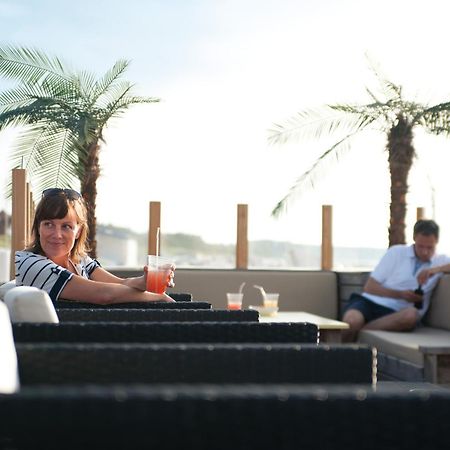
<point>420,355</point>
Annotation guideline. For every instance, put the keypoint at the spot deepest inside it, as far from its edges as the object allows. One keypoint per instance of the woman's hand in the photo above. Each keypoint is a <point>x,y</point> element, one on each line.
<point>167,298</point>
<point>138,283</point>
<point>170,276</point>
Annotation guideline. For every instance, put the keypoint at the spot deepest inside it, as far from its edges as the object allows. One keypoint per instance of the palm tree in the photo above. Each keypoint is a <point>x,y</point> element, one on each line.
<point>392,115</point>
<point>62,115</point>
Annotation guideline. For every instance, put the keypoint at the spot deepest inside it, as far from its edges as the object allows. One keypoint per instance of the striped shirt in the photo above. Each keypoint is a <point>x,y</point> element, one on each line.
<point>41,272</point>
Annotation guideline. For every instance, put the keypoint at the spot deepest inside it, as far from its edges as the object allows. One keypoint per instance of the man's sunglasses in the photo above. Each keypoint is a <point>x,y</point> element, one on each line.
<point>69,193</point>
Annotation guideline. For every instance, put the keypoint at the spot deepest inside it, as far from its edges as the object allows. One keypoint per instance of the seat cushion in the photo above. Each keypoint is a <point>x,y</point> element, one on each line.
<point>30,304</point>
<point>439,313</point>
<point>405,345</point>
<point>4,288</point>
<point>9,378</point>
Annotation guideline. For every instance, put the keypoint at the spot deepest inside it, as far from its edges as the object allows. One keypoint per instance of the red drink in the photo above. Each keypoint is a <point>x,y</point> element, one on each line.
<point>234,306</point>
<point>157,280</point>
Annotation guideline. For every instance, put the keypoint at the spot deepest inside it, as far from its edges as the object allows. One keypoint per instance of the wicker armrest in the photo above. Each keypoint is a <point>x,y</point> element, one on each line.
<point>155,315</point>
<point>224,417</point>
<point>194,363</point>
<point>62,304</point>
<point>182,332</point>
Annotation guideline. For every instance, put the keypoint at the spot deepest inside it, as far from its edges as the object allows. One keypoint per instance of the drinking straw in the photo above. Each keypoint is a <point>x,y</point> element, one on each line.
<point>241,287</point>
<point>263,292</point>
<point>157,244</point>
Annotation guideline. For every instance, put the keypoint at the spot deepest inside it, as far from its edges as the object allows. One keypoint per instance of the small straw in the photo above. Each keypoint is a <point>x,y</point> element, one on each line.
<point>263,292</point>
<point>157,242</point>
<point>241,287</point>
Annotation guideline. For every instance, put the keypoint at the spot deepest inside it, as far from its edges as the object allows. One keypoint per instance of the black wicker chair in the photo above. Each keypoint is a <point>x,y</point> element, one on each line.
<point>155,315</point>
<point>224,417</point>
<point>182,332</point>
<point>63,305</point>
<point>178,297</point>
<point>194,363</point>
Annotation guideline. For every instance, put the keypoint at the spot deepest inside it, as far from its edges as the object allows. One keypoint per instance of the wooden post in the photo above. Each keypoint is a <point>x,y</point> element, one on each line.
<point>241,237</point>
<point>31,209</point>
<point>154,224</point>
<point>19,223</point>
<point>27,213</point>
<point>327,241</point>
<point>420,213</point>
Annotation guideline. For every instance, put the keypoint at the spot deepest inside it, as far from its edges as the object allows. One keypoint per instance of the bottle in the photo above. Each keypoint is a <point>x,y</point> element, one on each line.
<point>418,291</point>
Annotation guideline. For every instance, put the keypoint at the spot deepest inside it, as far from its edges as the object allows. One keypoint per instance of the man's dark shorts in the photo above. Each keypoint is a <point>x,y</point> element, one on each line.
<point>369,310</point>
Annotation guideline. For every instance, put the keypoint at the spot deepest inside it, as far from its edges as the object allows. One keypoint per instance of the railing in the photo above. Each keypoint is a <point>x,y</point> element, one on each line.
<point>23,213</point>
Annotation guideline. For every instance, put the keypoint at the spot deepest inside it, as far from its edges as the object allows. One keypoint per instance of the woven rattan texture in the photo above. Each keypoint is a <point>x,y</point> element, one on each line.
<point>136,305</point>
<point>182,332</point>
<point>225,417</point>
<point>194,363</point>
<point>158,315</point>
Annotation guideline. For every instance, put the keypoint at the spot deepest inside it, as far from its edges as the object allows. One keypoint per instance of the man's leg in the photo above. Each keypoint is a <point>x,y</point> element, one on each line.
<point>403,320</point>
<point>356,321</point>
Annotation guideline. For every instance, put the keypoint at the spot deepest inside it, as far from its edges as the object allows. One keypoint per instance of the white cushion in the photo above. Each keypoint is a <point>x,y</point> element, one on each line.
<point>30,304</point>
<point>4,288</point>
<point>9,378</point>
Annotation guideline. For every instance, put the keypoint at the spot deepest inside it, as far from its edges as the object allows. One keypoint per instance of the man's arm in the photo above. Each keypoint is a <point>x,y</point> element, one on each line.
<point>423,276</point>
<point>372,286</point>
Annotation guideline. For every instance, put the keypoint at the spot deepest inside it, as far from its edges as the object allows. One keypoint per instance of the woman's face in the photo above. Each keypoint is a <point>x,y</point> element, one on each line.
<point>57,236</point>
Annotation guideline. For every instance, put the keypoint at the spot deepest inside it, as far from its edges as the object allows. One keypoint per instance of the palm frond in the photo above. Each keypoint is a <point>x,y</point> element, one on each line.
<point>120,100</point>
<point>102,86</point>
<point>29,65</point>
<point>309,178</point>
<point>48,156</point>
<point>85,84</point>
<point>315,123</point>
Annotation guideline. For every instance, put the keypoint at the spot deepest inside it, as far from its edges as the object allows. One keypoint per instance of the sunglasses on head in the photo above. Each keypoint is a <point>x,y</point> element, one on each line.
<point>69,193</point>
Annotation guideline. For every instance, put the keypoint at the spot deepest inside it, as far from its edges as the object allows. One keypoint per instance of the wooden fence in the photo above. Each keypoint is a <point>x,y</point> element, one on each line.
<point>23,210</point>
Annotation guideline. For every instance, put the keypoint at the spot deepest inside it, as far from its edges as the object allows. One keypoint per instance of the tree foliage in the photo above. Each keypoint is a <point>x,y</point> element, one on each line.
<point>61,115</point>
<point>388,113</point>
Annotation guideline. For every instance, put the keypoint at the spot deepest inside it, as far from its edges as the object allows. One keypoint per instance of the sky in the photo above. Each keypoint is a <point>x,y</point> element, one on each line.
<point>226,71</point>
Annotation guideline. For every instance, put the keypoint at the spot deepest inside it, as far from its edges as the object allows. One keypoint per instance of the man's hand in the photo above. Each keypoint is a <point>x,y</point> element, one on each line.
<point>411,296</point>
<point>372,286</point>
<point>423,276</point>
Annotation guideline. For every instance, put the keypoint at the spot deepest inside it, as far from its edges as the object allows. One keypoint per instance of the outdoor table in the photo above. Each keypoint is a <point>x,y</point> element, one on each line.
<point>329,330</point>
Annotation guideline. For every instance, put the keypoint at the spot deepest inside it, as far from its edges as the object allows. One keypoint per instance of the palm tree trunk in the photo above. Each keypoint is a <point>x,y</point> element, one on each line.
<point>89,192</point>
<point>401,154</point>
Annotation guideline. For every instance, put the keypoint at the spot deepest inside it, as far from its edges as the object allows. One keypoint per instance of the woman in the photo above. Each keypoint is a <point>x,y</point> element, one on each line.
<point>56,260</point>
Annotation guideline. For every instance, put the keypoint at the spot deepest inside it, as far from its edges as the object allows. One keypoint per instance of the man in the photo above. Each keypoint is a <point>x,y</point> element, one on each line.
<point>392,299</point>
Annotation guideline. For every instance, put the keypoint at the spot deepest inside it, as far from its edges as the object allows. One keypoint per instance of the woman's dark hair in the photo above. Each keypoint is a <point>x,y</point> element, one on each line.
<point>427,228</point>
<point>56,206</point>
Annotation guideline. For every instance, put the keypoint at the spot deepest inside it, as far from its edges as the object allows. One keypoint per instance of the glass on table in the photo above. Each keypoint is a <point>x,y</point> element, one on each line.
<point>234,300</point>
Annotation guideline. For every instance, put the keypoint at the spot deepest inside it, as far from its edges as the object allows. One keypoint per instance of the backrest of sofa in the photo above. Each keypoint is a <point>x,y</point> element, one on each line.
<point>312,291</point>
<point>439,313</point>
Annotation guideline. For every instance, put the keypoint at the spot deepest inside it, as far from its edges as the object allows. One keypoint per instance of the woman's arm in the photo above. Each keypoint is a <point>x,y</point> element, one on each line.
<point>100,274</point>
<point>106,292</point>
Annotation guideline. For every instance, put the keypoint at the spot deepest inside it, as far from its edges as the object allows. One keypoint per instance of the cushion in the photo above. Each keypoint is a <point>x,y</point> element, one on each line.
<point>405,344</point>
<point>4,288</point>
<point>439,313</point>
<point>30,304</point>
<point>9,378</point>
<point>313,291</point>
